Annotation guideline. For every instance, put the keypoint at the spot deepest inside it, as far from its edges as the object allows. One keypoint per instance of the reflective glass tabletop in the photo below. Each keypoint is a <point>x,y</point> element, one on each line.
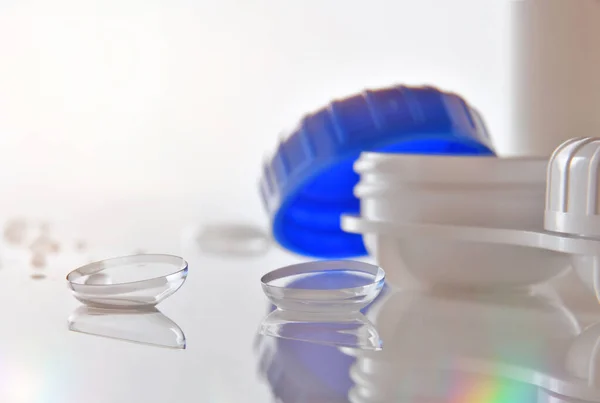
<point>204,343</point>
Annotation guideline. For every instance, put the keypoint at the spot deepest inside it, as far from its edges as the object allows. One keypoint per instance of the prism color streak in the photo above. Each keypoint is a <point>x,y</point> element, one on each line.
<point>482,389</point>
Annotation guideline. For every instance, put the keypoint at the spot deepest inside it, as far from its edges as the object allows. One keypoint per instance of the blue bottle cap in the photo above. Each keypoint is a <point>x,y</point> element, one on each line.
<point>309,182</point>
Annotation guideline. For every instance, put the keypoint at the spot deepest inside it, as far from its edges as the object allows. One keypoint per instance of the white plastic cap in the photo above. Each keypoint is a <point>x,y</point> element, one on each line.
<point>572,199</point>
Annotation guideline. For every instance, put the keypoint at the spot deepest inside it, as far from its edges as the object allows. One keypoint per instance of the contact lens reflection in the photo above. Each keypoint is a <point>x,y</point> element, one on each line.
<point>334,329</point>
<point>147,326</point>
<point>299,372</point>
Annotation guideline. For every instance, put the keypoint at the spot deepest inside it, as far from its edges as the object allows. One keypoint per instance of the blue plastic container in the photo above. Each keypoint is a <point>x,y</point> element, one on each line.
<point>308,184</point>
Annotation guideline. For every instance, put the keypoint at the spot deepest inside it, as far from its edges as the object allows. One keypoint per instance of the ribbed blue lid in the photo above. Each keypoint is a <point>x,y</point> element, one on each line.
<point>308,184</point>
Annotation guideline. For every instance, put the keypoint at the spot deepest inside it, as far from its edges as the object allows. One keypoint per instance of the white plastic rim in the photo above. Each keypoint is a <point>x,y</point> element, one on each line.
<point>549,241</point>
<point>422,169</point>
<point>466,256</point>
<point>470,191</point>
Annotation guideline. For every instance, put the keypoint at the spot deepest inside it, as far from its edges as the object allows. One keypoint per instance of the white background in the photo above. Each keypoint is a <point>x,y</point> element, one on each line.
<point>102,101</point>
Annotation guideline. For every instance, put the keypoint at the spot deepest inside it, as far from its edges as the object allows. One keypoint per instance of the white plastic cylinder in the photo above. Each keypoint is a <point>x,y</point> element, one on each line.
<point>573,194</point>
<point>556,75</point>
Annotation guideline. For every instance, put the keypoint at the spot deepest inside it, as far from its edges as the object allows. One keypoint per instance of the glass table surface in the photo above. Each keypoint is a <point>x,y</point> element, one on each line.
<point>203,344</point>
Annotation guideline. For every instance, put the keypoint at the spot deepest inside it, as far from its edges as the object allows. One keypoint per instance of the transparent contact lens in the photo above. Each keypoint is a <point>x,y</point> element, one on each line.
<point>324,286</point>
<point>137,281</point>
